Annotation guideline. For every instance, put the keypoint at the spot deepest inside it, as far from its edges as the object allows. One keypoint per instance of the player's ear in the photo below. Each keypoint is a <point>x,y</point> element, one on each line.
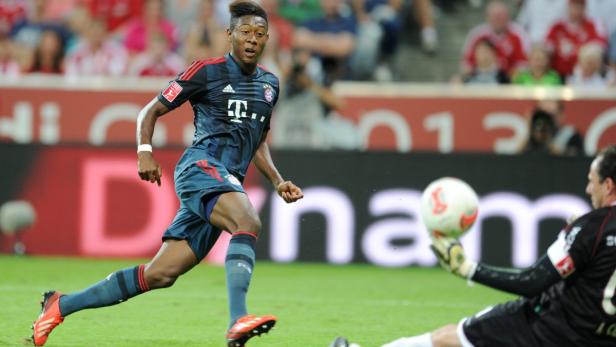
<point>610,185</point>
<point>229,33</point>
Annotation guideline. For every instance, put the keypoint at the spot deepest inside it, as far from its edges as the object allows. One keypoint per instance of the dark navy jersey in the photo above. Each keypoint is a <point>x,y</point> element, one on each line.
<point>232,110</point>
<point>585,256</point>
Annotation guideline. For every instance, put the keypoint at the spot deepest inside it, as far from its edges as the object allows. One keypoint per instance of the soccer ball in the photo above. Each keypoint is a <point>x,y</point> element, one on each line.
<point>449,207</point>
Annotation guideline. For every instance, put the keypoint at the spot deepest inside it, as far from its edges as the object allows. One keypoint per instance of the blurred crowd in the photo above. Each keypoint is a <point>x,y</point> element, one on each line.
<point>552,42</point>
<point>346,38</point>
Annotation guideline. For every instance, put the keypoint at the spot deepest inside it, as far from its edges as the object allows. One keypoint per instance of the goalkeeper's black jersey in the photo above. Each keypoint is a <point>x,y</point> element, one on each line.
<point>583,309</point>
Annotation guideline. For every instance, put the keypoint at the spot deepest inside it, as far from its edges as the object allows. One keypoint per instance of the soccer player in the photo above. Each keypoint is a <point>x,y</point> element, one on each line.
<point>567,296</point>
<point>232,99</point>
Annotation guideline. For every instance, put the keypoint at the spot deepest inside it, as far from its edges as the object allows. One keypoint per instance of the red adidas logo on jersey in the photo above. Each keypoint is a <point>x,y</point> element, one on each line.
<point>172,91</point>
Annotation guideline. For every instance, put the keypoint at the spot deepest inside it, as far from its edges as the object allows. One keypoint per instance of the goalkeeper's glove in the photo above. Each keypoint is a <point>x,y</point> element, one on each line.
<point>451,256</point>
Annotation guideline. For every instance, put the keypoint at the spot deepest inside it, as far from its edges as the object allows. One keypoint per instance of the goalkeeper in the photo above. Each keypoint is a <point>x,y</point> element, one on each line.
<point>567,298</point>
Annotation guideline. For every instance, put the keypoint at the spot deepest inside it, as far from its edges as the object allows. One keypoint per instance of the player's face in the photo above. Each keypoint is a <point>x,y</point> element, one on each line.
<point>597,190</point>
<point>248,39</point>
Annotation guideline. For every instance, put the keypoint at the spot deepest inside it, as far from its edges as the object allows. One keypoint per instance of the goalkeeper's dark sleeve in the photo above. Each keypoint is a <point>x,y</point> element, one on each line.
<point>525,282</point>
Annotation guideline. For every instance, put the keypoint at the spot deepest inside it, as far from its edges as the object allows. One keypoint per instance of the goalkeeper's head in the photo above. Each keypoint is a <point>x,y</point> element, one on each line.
<point>602,178</point>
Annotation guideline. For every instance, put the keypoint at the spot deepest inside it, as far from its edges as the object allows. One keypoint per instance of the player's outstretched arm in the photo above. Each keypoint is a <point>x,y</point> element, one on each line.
<point>525,282</point>
<point>263,161</point>
<point>148,167</point>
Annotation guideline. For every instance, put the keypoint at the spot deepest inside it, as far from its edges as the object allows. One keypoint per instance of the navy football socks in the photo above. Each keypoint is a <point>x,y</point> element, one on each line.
<point>117,287</point>
<point>239,263</point>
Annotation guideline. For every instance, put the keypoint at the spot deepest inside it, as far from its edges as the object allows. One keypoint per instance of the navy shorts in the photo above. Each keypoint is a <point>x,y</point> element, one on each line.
<point>198,187</point>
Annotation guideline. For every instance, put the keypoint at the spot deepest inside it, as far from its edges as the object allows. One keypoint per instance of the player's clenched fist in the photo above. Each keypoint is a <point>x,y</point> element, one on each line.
<point>148,168</point>
<point>289,192</point>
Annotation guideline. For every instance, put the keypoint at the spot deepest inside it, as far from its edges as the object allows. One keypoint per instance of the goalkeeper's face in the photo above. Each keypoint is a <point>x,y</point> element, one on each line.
<point>601,191</point>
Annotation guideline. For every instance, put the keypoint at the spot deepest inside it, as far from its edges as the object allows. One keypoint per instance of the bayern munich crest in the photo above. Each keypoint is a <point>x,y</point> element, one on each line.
<point>268,92</point>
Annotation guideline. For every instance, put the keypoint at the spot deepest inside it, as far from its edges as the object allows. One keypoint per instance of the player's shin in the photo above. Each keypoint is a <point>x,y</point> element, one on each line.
<point>116,288</point>
<point>424,340</point>
<point>239,264</point>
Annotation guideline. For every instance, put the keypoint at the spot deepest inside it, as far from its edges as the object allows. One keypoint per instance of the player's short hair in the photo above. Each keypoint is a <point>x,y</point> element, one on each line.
<point>607,166</point>
<point>241,8</point>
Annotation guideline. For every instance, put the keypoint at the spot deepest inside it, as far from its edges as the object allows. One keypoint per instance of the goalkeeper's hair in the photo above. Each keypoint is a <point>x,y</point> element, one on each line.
<point>607,166</point>
<point>241,8</point>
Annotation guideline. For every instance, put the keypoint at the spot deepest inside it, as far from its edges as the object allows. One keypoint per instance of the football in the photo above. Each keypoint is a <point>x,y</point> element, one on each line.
<point>449,207</point>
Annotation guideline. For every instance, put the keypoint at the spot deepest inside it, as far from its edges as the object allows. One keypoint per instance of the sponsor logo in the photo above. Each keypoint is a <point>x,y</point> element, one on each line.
<point>244,266</point>
<point>172,91</point>
<point>233,180</point>
<point>228,89</point>
<point>237,110</point>
<point>209,169</point>
<point>565,267</point>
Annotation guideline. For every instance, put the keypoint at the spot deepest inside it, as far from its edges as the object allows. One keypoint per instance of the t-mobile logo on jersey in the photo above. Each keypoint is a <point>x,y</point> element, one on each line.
<point>237,110</point>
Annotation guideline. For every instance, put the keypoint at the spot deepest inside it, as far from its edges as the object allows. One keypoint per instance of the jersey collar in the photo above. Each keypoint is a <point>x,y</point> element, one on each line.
<point>231,59</point>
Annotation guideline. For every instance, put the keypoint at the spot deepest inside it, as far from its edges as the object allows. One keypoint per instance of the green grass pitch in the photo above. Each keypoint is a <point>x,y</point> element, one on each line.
<point>314,303</point>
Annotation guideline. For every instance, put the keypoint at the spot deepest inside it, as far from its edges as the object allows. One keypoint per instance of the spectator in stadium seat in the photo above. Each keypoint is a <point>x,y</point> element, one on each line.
<point>509,40</point>
<point>152,21</point>
<point>589,71</point>
<point>207,37</point>
<point>486,69</point>
<point>567,140</point>
<point>49,54</point>
<point>117,13</point>
<point>97,55</point>
<point>157,60</point>
<point>78,23</point>
<point>567,36</point>
<point>376,19</point>
<point>11,12</point>
<point>538,16</point>
<point>539,72</point>
<point>549,134</point>
<point>9,67</point>
<point>316,126</point>
<point>331,37</point>
<point>28,31</point>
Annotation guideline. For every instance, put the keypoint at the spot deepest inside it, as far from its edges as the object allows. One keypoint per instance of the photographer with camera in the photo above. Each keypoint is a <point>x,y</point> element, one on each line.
<point>305,115</point>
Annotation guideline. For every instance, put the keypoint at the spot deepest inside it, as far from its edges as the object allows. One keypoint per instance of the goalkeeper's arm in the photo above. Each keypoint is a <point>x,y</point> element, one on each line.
<point>525,282</point>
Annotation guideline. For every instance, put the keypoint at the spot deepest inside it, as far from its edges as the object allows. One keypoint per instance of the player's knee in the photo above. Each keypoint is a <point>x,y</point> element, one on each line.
<point>251,224</point>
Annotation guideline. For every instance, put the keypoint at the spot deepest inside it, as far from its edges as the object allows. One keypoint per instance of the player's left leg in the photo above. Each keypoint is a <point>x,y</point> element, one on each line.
<point>446,336</point>
<point>174,258</point>
<point>234,213</point>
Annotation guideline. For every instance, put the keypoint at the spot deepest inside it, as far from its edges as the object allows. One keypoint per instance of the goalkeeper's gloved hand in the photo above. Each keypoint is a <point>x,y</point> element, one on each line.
<point>451,256</point>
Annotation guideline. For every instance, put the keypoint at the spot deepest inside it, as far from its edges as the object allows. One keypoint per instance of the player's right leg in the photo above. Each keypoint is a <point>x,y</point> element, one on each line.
<point>174,258</point>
